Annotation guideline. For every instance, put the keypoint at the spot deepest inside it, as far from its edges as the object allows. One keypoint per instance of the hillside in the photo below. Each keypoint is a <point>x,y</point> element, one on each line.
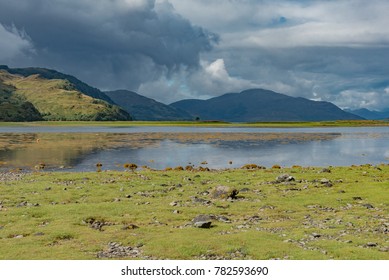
<point>52,74</point>
<point>35,97</point>
<point>146,109</point>
<point>14,108</point>
<point>256,105</point>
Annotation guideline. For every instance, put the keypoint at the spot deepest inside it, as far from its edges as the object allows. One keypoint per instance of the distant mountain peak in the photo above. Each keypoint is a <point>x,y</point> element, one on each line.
<point>256,105</point>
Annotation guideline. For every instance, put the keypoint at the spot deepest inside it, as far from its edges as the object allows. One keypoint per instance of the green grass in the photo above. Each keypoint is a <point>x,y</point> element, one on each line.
<point>269,220</point>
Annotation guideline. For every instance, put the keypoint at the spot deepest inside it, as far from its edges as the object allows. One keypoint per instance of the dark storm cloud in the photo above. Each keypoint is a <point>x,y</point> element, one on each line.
<point>110,43</point>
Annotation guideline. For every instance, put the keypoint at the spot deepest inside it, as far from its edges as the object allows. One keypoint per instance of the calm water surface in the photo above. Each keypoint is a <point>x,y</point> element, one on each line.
<point>80,148</point>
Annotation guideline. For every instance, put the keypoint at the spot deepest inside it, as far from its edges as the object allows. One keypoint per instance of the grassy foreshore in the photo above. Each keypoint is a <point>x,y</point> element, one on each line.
<point>313,213</point>
<point>201,123</point>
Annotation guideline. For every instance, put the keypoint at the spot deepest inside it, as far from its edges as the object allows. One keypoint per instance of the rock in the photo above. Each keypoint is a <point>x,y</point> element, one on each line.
<point>316,235</point>
<point>368,206</point>
<point>325,170</point>
<point>116,250</point>
<point>244,190</point>
<point>174,203</point>
<point>371,244</point>
<point>285,178</point>
<point>195,199</point>
<point>39,234</point>
<point>96,224</point>
<point>223,219</point>
<point>128,196</point>
<point>202,221</point>
<point>357,198</point>
<point>224,192</point>
<point>130,226</point>
<point>1,227</point>
<point>326,182</point>
<point>384,249</point>
<point>22,204</point>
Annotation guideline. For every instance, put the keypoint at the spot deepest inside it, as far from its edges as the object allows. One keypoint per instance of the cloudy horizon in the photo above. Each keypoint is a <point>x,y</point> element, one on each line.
<point>336,51</point>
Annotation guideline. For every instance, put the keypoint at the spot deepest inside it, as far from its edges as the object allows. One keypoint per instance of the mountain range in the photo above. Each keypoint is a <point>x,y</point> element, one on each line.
<point>371,115</point>
<point>259,105</point>
<point>30,94</point>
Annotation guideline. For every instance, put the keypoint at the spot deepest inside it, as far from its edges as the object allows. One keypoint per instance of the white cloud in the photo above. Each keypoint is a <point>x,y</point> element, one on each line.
<point>209,80</point>
<point>13,42</point>
<point>357,99</point>
<point>292,23</point>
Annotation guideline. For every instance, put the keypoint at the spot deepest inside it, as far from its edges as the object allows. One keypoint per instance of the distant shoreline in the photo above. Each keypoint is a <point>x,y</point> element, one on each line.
<point>348,123</point>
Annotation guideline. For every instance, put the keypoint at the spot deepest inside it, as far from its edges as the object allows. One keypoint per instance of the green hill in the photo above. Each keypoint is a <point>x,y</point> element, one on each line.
<point>258,105</point>
<point>52,74</point>
<point>33,97</point>
<point>146,109</point>
<point>14,108</point>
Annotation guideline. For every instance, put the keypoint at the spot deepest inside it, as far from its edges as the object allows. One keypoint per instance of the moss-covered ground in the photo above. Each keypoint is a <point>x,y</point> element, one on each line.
<point>315,213</point>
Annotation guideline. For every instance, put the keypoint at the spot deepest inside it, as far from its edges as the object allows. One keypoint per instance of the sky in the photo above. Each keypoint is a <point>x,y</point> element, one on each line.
<point>334,50</point>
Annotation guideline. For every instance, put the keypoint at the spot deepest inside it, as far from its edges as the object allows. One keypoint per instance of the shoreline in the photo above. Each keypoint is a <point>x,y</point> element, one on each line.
<point>347,123</point>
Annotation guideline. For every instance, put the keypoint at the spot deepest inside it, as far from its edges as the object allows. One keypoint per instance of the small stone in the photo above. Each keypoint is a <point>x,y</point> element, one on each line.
<point>223,219</point>
<point>19,236</point>
<point>130,226</point>
<point>368,206</point>
<point>316,235</point>
<point>48,189</point>
<point>202,224</point>
<point>285,178</point>
<point>325,170</point>
<point>357,198</point>
<point>384,249</point>
<point>371,244</point>
<point>128,196</point>
<point>39,234</point>
<point>22,204</point>
<point>202,221</point>
<point>224,192</point>
<point>176,211</point>
<point>174,203</point>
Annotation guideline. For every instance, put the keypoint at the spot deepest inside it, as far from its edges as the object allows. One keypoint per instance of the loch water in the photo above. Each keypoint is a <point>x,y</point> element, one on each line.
<point>81,148</point>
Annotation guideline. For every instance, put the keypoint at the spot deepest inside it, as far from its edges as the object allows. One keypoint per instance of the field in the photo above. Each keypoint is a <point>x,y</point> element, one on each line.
<point>278,213</point>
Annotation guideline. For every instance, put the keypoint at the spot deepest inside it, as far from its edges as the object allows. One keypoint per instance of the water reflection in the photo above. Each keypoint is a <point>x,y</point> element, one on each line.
<point>81,151</point>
